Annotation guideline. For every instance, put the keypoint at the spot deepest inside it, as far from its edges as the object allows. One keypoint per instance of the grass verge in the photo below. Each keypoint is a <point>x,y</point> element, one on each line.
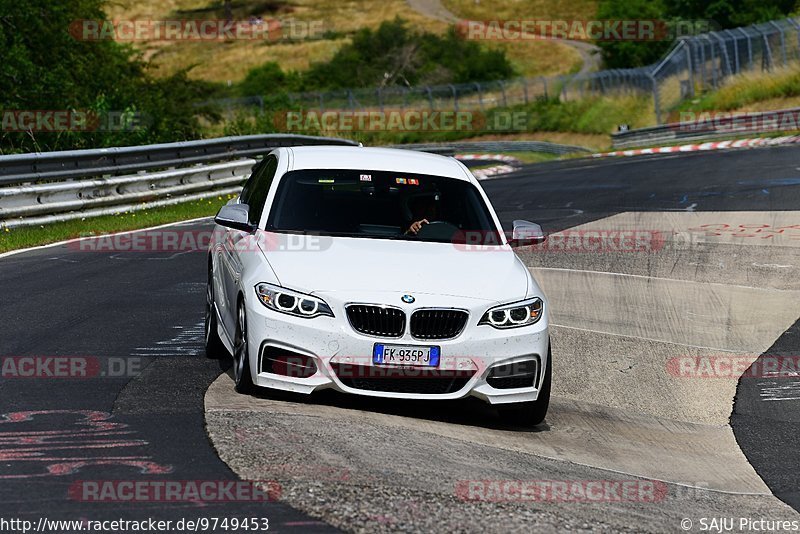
<point>780,87</point>
<point>31,236</point>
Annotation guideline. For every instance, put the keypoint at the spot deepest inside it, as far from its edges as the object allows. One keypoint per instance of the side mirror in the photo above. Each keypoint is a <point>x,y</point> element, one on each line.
<point>527,233</point>
<point>235,216</point>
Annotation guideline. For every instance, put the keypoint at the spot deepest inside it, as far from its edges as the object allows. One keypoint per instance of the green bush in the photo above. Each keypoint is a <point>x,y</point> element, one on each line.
<point>391,55</point>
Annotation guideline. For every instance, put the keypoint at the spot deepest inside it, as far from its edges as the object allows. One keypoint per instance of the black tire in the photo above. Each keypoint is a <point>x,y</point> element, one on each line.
<point>530,414</point>
<point>215,349</point>
<point>243,380</point>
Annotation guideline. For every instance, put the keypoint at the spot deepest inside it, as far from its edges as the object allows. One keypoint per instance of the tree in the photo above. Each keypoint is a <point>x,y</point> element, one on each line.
<point>48,64</point>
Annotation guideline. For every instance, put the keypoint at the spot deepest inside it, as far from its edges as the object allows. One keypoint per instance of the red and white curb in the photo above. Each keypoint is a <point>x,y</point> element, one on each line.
<point>510,164</point>
<point>718,145</point>
<point>487,157</point>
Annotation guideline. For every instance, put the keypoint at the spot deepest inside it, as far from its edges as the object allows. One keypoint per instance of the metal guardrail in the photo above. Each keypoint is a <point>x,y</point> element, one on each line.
<point>495,146</point>
<point>43,188</point>
<point>20,168</point>
<point>50,187</point>
<point>717,127</point>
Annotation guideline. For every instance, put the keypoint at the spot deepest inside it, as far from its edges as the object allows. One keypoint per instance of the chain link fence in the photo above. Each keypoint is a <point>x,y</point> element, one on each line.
<point>694,64</point>
<point>704,61</point>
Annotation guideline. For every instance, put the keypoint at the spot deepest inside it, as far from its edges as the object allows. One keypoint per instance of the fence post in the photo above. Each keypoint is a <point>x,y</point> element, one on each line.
<point>480,94</point>
<point>544,83</point>
<point>731,35</point>
<point>455,96</point>
<point>525,89</point>
<point>749,47</point>
<point>321,103</point>
<point>380,98</point>
<point>723,47</point>
<point>713,63</point>
<point>702,65</point>
<point>656,102</point>
<point>797,29</point>
<point>503,90</point>
<point>430,96</point>
<point>689,66</point>
<point>783,40</point>
<point>767,52</point>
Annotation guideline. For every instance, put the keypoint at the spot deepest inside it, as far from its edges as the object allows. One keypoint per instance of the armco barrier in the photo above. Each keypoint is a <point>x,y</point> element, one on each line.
<point>710,128</point>
<point>57,186</point>
<point>495,146</point>
<point>49,187</point>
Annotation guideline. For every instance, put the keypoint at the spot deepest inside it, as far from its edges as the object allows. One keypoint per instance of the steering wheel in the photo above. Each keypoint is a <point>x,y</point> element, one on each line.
<point>438,230</point>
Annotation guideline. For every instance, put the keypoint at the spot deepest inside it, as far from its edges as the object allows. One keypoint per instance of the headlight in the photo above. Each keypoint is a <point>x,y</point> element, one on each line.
<point>514,315</point>
<point>287,301</point>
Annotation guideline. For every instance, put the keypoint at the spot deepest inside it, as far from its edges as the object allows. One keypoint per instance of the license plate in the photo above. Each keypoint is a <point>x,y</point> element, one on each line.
<point>405,355</point>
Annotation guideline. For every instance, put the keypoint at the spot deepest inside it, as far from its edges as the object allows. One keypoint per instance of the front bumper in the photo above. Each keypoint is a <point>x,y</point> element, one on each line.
<point>336,348</point>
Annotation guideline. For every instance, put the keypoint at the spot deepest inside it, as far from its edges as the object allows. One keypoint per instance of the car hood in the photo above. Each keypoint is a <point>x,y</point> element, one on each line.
<point>321,264</point>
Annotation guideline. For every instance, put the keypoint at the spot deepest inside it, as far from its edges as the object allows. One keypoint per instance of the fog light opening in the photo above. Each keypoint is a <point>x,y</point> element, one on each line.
<point>284,362</point>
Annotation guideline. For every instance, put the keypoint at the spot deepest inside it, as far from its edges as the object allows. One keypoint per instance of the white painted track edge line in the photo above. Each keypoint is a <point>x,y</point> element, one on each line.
<point>76,239</point>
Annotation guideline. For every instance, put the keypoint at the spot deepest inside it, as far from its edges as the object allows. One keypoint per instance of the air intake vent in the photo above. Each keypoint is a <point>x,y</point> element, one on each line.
<point>402,380</point>
<point>514,375</point>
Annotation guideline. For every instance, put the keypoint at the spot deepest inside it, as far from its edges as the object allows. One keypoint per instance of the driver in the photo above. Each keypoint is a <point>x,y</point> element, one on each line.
<point>424,210</point>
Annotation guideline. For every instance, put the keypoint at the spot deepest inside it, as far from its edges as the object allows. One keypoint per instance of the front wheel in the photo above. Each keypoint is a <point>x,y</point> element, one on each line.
<point>243,380</point>
<point>530,414</point>
<point>213,344</point>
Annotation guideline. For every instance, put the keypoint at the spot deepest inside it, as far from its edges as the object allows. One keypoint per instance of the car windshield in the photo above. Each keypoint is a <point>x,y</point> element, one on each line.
<point>379,204</point>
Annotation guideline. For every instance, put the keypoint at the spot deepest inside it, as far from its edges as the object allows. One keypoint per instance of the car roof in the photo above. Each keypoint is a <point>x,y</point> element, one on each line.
<point>375,159</point>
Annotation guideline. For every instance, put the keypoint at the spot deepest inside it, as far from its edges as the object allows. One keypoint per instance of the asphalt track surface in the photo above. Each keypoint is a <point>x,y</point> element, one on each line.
<point>146,308</point>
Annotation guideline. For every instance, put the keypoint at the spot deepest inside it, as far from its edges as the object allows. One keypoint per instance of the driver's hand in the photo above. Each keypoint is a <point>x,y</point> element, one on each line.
<point>416,226</point>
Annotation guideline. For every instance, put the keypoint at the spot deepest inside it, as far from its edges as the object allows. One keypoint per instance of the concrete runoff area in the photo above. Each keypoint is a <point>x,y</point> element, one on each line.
<point>373,465</point>
<point>584,434</point>
<point>713,285</point>
<point>717,316</point>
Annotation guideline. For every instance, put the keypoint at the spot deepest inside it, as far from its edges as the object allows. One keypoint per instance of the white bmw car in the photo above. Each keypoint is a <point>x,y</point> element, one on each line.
<point>376,272</point>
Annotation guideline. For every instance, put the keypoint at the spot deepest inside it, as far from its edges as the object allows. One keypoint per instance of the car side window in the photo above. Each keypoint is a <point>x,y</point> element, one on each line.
<point>247,190</point>
<point>257,187</point>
